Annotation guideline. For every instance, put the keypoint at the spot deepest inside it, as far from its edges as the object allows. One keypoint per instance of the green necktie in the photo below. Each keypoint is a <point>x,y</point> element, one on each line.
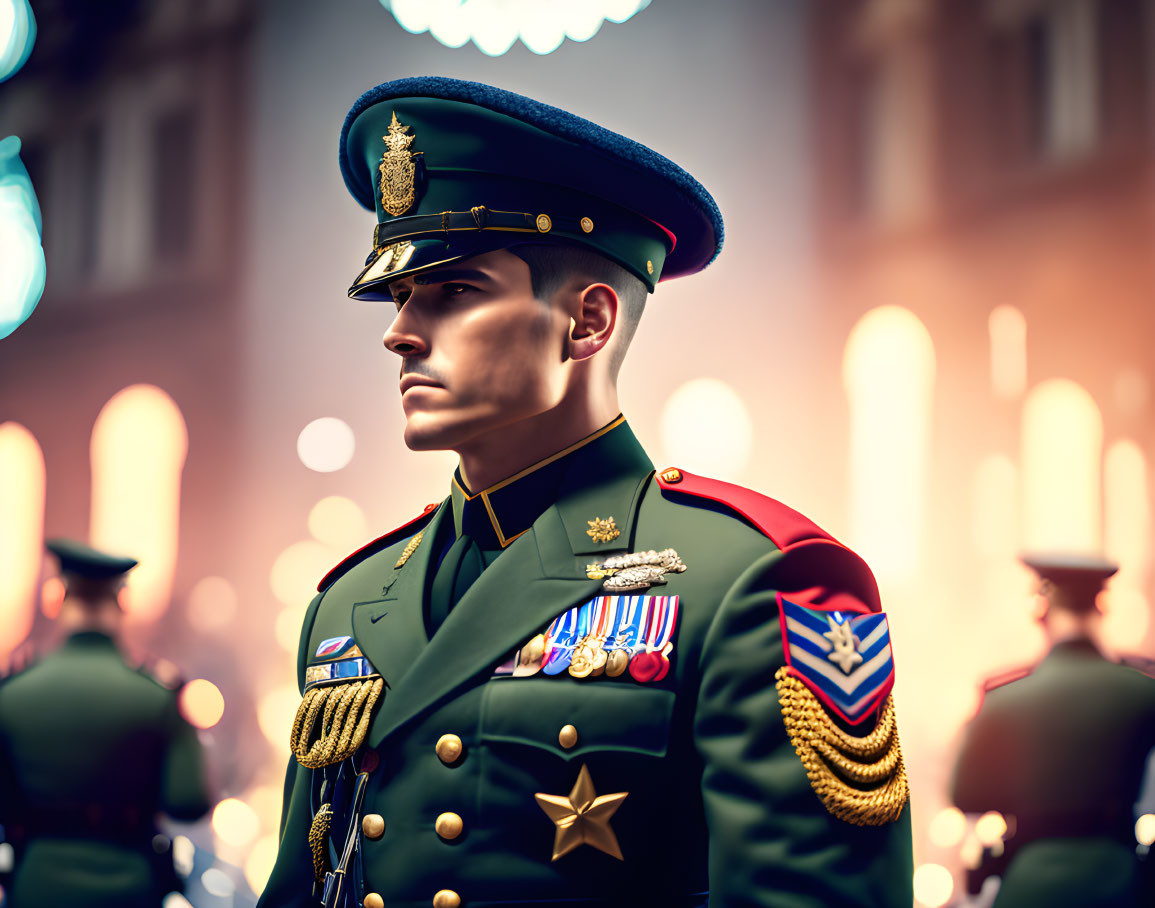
<point>460,567</point>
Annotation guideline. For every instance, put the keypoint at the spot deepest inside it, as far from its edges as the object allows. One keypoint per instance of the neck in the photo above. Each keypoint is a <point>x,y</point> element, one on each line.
<point>497,455</point>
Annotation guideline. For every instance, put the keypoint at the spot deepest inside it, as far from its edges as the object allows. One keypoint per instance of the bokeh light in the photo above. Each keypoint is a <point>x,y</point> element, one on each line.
<point>212,604</point>
<point>259,864</point>
<point>17,35</point>
<point>338,522</point>
<point>990,828</point>
<point>494,25</point>
<point>175,900</point>
<point>1008,330</point>
<point>201,703</point>
<point>287,627</point>
<point>948,827</point>
<point>888,373</point>
<point>22,277</point>
<point>1145,829</point>
<point>326,444</point>
<point>1062,439</point>
<point>235,822</point>
<point>275,714</point>
<point>22,488</point>
<point>184,854</point>
<point>298,569</point>
<point>933,885</point>
<point>138,449</point>
<point>218,883</point>
<point>706,428</point>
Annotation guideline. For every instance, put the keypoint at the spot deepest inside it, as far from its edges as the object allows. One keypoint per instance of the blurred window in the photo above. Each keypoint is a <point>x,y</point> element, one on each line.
<point>174,185</point>
<point>22,488</point>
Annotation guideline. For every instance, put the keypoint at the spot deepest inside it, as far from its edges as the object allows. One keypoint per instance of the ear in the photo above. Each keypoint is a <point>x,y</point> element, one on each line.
<point>596,318</point>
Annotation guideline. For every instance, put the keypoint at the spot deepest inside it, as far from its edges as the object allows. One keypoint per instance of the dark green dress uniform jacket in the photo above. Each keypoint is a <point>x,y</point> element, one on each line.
<point>1063,750</point>
<point>718,802</point>
<point>90,751</point>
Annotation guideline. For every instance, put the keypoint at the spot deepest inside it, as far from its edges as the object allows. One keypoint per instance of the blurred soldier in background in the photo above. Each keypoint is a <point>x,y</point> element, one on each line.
<point>91,749</point>
<point>1060,751</point>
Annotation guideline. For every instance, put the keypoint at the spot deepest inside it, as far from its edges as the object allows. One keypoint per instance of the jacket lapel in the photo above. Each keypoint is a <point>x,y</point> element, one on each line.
<point>390,628</point>
<point>534,580</point>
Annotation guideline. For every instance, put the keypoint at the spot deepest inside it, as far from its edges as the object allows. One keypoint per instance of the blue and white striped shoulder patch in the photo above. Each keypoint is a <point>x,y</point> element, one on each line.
<point>843,657</point>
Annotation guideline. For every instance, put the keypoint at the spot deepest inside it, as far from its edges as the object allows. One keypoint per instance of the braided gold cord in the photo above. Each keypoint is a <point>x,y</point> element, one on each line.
<point>828,754</point>
<point>318,841</point>
<point>409,549</point>
<point>344,722</point>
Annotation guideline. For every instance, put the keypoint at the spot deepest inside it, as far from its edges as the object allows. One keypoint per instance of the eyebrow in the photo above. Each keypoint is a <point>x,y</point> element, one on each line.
<point>450,274</point>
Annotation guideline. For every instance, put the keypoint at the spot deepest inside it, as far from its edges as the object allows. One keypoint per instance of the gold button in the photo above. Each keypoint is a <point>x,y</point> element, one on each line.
<point>449,748</point>
<point>649,267</point>
<point>672,475</point>
<point>373,900</point>
<point>544,223</point>
<point>449,825</point>
<point>587,225</point>
<point>446,898</point>
<point>567,737</point>
<point>373,825</point>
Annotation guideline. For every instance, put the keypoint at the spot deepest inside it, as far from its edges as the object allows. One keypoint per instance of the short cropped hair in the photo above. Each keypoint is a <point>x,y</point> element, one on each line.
<point>551,267</point>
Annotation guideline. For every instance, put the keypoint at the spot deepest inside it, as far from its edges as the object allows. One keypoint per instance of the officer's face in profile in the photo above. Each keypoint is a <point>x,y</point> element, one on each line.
<point>478,350</point>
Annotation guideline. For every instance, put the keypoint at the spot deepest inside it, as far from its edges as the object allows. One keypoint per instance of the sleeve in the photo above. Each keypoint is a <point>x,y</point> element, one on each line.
<point>291,881</point>
<point>975,784</point>
<point>183,791</point>
<point>773,843</point>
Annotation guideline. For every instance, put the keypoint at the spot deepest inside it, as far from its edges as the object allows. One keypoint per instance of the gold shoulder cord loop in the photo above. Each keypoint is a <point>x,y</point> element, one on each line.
<point>861,780</point>
<point>347,712</point>
<point>318,841</point>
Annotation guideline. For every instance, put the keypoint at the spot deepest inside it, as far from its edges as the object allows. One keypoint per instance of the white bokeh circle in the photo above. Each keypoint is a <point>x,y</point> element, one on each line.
<point>706,428</point>
<point>326,444</point>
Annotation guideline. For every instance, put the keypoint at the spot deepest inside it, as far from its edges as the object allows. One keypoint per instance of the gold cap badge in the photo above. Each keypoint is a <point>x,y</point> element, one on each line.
<point>398,171</point>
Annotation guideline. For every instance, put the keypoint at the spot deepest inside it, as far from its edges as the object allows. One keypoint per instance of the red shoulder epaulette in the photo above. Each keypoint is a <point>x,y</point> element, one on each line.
<point>1003,678</point>
<point>371,548</point>
<point>790,531</point>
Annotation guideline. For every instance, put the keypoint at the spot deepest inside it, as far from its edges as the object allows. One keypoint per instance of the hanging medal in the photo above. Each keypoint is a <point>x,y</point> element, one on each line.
<point>653,662</point>
<point>618,658</point>
<point>600,653</point>
<point>531,656</point>
<point>575,626</point>
<point>585,652</point>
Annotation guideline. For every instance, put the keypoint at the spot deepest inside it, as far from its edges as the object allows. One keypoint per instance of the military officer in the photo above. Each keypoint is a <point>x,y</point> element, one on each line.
<point>91,750</point>
<point>575,680</point>
<point>1060,750</point>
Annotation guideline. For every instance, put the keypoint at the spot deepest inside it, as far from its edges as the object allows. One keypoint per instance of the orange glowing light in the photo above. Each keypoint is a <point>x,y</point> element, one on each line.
<point>297,570</point>
<point>52,597</point>
<point>1145,829</point>
<point>275,714</point>
<point>22,487</point>
<point>1062,439</point>
<point>338,522</point>
<point>990,828</point>
<point>259,863</point>
<point>138,449</point>
<point>948,827</point>
<point>235,822</point>
<point>201,703</point>
<point>888,372</point>
<point>933,885</point>
<point>1008,331</point>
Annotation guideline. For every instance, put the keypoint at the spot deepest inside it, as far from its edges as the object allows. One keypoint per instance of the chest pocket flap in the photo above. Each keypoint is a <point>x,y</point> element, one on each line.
<point>609,716</point>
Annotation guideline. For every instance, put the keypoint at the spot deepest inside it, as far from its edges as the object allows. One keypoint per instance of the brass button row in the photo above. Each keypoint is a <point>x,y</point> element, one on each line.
<point>449,825</point>
<point>444,898</point>
<point>449,748</point>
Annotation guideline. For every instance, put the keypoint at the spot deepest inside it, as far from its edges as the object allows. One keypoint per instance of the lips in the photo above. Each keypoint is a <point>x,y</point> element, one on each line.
<point>417,381</point>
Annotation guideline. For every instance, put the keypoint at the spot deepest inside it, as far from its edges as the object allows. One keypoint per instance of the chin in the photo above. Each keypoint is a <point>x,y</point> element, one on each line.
<point>427,431</point>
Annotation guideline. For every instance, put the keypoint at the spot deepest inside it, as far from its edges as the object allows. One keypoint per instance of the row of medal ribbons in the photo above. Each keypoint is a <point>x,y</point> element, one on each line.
<point>607,636</point>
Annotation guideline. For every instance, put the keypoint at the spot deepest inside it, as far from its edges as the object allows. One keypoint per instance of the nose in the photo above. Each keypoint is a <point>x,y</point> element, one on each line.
<point>403,337</point>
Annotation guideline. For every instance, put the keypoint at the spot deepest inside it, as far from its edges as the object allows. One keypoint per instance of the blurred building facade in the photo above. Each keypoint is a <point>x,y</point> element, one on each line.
<point>132,117</point>
<point>984,173</point>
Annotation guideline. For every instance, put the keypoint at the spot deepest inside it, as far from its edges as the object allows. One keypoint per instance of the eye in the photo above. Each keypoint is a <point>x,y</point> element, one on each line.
<point>456,289</point>
<point>400,297</point>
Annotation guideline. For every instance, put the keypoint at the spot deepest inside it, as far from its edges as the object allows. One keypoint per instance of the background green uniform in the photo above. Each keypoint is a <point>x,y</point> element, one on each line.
<point>717,801</point>
<point>90,750</point>
<point>1063,751</point>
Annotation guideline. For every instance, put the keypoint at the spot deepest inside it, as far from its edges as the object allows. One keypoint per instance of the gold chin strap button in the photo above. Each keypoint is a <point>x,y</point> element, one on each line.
<point>373,900</point>
<point>672,475</point>
<point>446,898</point>
<point>373,825</point>
<point>449,748</point>
<point>544,224</point>
<point>587,225</point>
<point>567,737</point>
<point>649,267</point>
<point>449,825</point>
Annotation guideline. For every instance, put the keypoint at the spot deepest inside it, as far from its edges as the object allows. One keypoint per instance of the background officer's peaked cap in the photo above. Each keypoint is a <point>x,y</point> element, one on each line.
<point>84,561</point>
<point>455,169</point>
<point>1079,576</point>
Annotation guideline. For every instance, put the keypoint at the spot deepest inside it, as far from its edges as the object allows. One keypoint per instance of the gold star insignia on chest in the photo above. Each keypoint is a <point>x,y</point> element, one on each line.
<point>583,817</point>
<point>603,530</point>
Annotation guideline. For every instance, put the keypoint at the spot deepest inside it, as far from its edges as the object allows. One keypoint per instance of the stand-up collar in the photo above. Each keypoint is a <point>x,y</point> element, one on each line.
<point>496,516</point>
